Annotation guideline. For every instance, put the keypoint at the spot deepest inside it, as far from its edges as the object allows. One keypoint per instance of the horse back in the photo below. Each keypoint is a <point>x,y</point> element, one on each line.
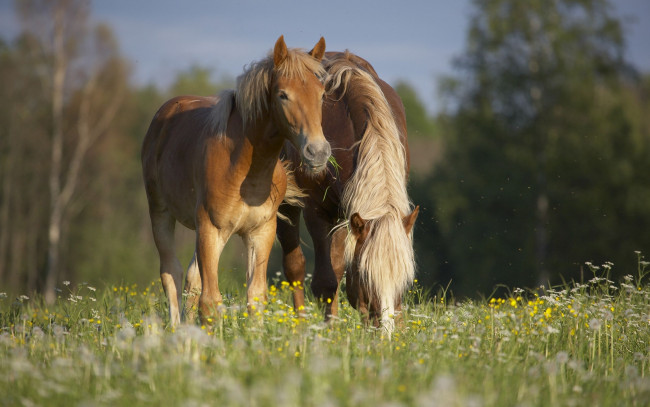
<point>171,150</point>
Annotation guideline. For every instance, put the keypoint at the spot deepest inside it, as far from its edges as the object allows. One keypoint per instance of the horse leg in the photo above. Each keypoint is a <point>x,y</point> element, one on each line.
<point>192,290</point>
<point>293,260</point>
<point>209,243</point>
<point>337,259</point>
<point>171,273</point>
<point>325,283</point>
<point>258,244</point>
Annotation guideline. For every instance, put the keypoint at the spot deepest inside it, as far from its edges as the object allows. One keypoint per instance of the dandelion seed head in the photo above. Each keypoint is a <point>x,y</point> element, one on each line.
<point>595,324</point>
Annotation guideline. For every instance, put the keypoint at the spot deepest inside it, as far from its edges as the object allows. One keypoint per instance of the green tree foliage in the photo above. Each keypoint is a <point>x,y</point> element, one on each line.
<point>105,232</point>
<point>543,166</point>
<point>420,123</point>
<point>197,80</point>
<point>422,132</point>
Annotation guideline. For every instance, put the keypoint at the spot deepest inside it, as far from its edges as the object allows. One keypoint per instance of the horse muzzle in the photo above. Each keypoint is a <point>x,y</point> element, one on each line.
<point>315,155</point>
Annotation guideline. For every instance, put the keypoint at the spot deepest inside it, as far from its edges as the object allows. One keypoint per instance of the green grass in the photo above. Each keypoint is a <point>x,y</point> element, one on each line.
<point>583,344</point>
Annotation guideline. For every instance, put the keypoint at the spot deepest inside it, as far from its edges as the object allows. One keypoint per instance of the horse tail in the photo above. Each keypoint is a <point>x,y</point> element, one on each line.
<point>377,189</point>
<point>293,195</point>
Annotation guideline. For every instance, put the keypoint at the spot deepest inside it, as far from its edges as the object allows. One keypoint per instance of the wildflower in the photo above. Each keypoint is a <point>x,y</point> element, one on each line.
<point>562,357</point>
<point>66,283</point>
<point>595,324</point>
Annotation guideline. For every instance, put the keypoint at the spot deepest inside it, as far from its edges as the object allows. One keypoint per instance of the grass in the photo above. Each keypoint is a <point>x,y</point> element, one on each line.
<point>582,344</point>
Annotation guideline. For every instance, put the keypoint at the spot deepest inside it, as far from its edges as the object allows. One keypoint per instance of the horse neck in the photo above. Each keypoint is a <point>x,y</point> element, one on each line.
<point>261,147</point>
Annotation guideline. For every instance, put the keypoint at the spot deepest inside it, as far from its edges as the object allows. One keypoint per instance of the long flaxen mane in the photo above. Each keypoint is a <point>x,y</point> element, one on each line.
<point>254,85</point>
<point>252,92</point>
<point>377,189</point>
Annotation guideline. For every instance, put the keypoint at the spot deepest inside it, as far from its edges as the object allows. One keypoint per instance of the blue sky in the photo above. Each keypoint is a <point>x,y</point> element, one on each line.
<point>414,41</point>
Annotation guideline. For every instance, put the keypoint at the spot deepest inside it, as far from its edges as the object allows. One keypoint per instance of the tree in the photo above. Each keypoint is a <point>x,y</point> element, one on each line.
<point>537,170</point>
<point>197,81</point>
<point>422,131</point>
<point>85,80</point>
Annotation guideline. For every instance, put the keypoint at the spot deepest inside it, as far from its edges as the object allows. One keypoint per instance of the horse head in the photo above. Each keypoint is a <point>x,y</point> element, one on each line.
<point>362,296</point>
<point>297,100</point>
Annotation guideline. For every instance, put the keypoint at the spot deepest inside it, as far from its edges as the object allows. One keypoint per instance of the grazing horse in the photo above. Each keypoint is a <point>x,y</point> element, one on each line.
<point>358,212</point>
<point>211,163</point>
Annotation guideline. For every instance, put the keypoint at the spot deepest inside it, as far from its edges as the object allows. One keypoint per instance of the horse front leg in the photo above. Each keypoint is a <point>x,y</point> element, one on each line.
<point>258,244</point>
<point>209,243</point>
<point>337,260</point>
<point>293,259</point>
<point>325,282</point>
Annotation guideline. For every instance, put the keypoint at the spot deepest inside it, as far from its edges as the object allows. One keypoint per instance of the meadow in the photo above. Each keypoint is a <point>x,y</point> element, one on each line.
<point>584,343</point>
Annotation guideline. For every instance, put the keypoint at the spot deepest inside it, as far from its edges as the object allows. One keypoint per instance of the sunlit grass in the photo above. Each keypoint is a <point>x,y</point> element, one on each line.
<point>583,344</point>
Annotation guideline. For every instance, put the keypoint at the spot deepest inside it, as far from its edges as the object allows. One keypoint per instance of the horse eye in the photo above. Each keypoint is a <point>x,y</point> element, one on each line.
<point>283,95</point>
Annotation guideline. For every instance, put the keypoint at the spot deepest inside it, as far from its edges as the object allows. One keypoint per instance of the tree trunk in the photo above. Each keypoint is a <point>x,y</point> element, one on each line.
<point>56,206</point>
<point>5,202</point>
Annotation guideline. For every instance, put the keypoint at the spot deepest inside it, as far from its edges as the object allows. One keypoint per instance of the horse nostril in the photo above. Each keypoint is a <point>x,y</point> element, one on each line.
<point>309,152</point>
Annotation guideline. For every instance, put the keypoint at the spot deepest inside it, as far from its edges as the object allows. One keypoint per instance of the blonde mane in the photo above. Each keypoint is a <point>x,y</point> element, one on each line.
<point>252,92</point>
<point>377,190</point>
<point>254,85</point>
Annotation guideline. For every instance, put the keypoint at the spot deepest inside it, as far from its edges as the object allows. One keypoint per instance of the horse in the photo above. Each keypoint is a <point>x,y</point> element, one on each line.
<point>211,163</point>
<point>358,212</point>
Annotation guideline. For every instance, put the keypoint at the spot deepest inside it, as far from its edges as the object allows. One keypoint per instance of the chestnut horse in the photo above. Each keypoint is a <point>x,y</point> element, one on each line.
<point>358,212</point>
<point>211,163</point>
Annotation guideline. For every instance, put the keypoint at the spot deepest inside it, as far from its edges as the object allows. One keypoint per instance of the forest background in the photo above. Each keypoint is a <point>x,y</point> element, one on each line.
<point>537,162</point>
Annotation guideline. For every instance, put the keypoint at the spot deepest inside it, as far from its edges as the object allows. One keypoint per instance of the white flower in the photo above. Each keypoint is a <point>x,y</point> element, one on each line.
<point>66,283</point>
<point>562,357</point>
<point>595,324</point>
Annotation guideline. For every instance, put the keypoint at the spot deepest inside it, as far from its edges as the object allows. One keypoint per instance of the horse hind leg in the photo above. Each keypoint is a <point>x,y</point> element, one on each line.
<point>171,272</point>
<point>192,290</point>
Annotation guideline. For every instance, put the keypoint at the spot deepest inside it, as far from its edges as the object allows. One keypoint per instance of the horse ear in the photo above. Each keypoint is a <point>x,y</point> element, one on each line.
<point>409,219</point>
<point>280,51</point>
<point>357,224</point>
<point>319,49</point>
